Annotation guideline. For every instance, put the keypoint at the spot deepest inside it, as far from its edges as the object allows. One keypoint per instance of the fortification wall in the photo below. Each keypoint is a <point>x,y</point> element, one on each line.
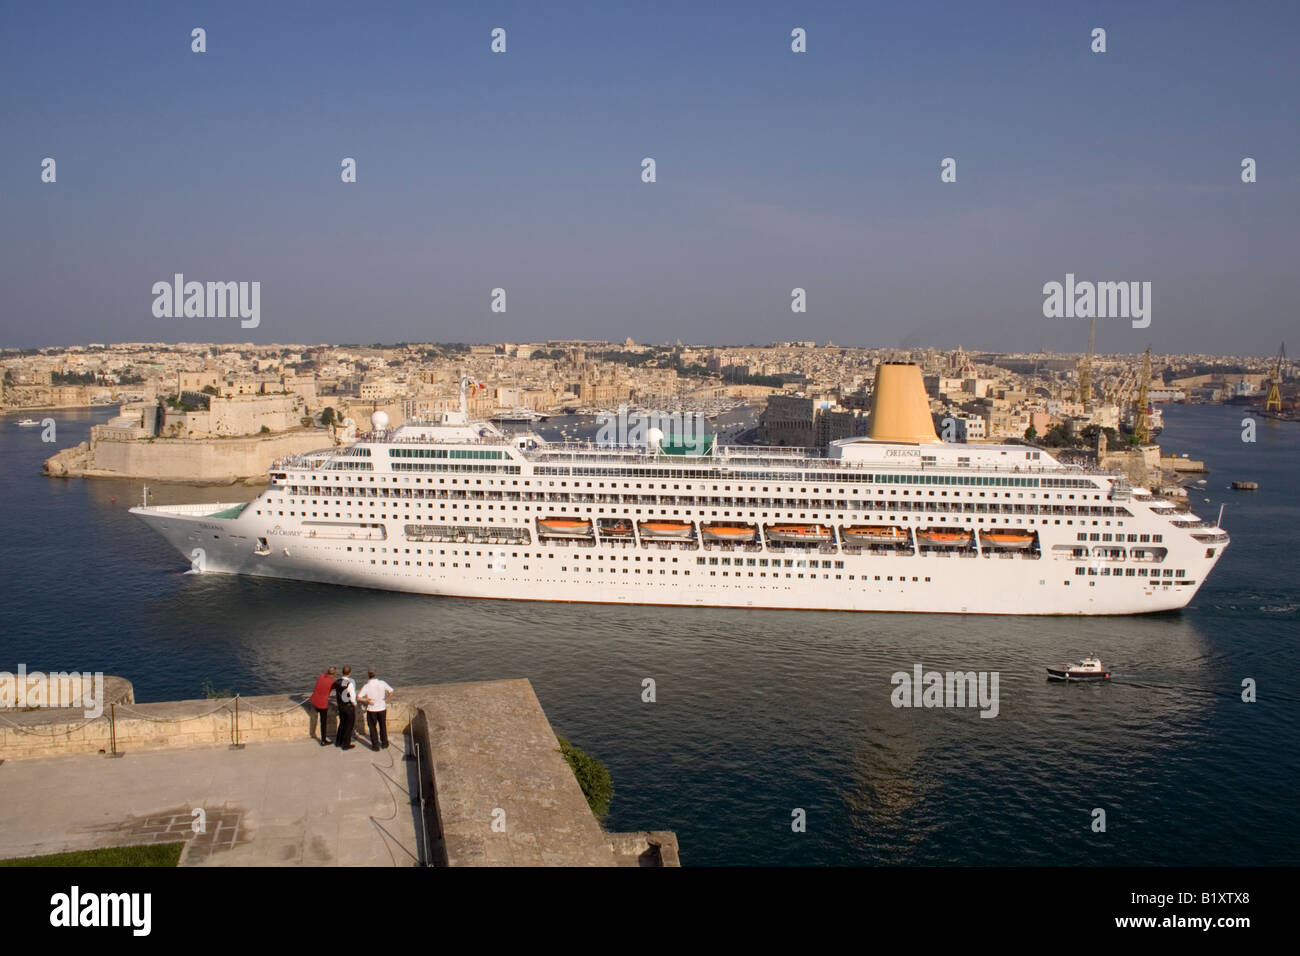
<point>163,459</point>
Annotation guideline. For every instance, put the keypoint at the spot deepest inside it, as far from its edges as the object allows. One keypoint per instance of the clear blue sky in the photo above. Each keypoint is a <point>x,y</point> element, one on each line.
<point>775,170</point>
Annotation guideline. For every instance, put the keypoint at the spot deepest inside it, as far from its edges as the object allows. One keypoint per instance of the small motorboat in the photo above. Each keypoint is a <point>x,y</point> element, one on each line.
<point>1090,668</point>
<point>28,423</point>
<point>615,528</point>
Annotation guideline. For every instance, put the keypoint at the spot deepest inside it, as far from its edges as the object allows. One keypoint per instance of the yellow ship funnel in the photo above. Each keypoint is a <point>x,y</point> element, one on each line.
<point>900,410</point>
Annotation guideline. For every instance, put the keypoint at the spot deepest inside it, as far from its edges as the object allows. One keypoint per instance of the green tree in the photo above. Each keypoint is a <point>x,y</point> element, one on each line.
<point>1060,436</point>
<point>1031,433</point>
<point>211,693</point>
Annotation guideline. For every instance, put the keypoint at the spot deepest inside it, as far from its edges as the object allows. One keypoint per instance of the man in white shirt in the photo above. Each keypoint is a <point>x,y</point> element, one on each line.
<point>374,694</point>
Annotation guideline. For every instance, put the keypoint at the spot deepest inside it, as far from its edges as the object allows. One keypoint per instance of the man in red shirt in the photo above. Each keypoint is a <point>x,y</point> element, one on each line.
<point>320,699</point>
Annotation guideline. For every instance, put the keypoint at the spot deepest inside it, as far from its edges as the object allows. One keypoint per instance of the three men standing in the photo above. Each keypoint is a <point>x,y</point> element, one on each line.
<point>375,696</point>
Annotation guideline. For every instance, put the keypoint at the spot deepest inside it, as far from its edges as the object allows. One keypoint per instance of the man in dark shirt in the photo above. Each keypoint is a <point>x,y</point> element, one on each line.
<point>345,691</point>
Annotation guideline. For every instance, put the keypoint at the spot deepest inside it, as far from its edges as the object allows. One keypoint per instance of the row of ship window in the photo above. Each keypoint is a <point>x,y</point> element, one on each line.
<point>421,494</point>
<point>880,508</point>
<point>382,562</point>
<point>753,489</point>
<point>1180,574</point>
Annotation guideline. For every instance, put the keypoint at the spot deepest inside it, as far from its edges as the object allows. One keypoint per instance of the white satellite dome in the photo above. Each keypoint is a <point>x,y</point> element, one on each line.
<point>379,421</point>
<point>653,437</point>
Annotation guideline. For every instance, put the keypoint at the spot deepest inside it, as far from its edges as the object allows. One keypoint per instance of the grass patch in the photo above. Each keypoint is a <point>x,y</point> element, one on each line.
<point>593,776</point>
<point>154,854</point>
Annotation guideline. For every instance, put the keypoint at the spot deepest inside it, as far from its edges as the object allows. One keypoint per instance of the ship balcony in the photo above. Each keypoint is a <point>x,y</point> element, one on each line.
<point>903,549</point>
<point>657,544</point>
<point>731,546</point>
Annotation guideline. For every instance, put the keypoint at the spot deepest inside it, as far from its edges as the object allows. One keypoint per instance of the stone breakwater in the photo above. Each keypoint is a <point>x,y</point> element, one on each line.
<point>214,460</point>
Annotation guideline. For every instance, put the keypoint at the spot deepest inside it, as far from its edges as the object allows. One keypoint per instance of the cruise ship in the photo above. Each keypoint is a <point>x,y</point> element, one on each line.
<point>897,520</point>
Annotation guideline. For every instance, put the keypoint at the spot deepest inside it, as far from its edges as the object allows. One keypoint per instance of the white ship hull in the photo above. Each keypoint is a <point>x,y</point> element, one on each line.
<point>931,582</point>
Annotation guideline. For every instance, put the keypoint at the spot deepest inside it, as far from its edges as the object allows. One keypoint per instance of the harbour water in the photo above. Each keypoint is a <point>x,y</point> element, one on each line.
<point>759,713</point>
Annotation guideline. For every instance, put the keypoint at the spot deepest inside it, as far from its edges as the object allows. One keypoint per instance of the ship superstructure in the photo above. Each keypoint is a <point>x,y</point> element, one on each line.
<point>895,521</point>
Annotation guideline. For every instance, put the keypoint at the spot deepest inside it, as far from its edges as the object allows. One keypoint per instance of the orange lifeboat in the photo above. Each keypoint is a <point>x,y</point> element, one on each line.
<point>814,533</point>
<point>875,534</point>
<point>669,530</point>
<point>1011,539</point>
<point>945,538</point>
<point>728,532</point>
<point>564,527</point>
<point>616,528</point>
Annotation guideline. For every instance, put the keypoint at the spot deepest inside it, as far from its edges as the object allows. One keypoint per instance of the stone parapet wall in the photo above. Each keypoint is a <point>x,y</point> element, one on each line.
<point>185,723</point>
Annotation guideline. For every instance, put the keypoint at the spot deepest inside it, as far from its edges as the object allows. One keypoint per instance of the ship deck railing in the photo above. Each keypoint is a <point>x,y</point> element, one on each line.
<point>722,458</point>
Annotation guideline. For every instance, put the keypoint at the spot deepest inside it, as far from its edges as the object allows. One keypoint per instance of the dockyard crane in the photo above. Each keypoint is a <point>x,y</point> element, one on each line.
<point>1141,420</point>
<point>1274,401</point>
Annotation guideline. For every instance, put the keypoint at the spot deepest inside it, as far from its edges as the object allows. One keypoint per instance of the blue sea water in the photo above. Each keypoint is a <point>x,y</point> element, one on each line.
<point>759,713</point>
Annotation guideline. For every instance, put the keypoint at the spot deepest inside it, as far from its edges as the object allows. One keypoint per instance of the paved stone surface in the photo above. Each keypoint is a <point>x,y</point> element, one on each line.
<point>506,796</point>
<point>270,804</point>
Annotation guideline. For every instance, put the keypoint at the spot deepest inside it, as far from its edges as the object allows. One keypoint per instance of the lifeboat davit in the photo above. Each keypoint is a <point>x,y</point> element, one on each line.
<point>875,534</point>
<point>670,530</point>
<point>564,527</point>
<point>945,538</point>
<point>728,532</point>
<point>815,533</point>
<point>1010,539</point>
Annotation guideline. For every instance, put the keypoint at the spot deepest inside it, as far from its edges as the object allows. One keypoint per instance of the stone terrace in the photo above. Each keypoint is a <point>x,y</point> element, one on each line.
<point>499,791</point>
